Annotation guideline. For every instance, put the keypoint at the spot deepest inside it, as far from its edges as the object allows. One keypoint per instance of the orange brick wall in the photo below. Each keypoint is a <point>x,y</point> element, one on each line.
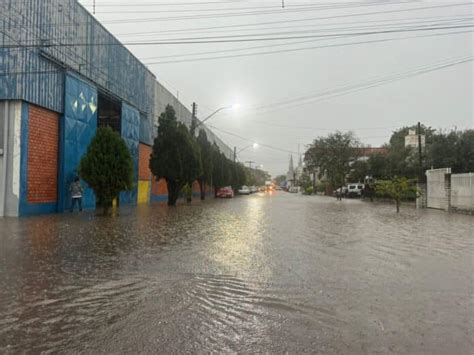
<point>144,172</point>
<point>43,142</point>
<point>159,187</point>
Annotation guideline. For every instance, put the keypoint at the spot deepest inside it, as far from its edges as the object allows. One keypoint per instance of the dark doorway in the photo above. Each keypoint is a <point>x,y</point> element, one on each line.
<point>109,112</point>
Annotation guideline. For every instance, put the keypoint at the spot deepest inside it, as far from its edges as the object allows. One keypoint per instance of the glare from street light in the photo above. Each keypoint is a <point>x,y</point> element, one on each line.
<point>235,106</point>
<point>255,145</point>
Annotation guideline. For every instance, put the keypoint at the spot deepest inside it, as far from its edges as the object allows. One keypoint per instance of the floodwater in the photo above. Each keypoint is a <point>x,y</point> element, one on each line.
<point>276,273</point>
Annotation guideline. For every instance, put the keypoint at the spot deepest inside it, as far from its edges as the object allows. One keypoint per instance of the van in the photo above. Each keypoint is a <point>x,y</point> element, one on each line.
<point>354,190</point>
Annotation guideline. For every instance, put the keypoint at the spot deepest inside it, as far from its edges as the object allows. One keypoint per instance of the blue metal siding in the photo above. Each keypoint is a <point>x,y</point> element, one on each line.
<point>47,23</point>
<point>130,126</point>
<point>146,130</point>
<point>78,127</point>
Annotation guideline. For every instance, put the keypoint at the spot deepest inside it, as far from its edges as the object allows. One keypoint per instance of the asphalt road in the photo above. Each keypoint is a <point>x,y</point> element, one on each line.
<point>276,273</point>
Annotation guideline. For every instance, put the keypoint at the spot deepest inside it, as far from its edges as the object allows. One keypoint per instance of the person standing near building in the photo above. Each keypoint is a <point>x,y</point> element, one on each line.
<point>76,191</point>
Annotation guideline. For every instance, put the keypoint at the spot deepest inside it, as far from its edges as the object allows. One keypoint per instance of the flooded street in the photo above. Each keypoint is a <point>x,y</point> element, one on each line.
<point>257,273</point>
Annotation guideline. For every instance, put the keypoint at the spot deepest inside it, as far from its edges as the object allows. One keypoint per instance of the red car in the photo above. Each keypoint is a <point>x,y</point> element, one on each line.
<point>225,192</point>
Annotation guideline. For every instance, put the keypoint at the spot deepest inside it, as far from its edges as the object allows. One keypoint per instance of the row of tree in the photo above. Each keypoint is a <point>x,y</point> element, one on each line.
<point>396,168</point>
<point>177,156</point>
<point>337,156</point>
<point>453,150</point>
<point>180,158</point>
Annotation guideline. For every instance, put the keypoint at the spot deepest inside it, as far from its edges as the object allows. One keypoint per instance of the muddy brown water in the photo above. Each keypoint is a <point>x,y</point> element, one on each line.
<point>276,273</point>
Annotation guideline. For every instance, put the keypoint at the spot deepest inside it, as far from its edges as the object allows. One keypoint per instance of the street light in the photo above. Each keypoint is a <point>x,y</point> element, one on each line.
<point>253,145</point>
<point>234,107</point>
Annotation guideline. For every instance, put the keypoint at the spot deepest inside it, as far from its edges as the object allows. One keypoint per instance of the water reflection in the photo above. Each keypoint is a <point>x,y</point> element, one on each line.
<point>264,272</point>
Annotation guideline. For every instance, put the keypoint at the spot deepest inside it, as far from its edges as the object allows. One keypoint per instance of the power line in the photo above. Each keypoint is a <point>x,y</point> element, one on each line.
<point>305,10</point>
<point>232,39</point>
<point>300,48</point>
<point>250,140</point>
<point>366,23</point>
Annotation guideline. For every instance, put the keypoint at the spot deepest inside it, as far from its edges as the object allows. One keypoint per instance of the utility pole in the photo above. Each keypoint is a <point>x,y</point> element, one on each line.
<point>193,120</point>
<point>235,154</point>
<point>283,4</point>
<point>93,9</point>
<point>420,157</point>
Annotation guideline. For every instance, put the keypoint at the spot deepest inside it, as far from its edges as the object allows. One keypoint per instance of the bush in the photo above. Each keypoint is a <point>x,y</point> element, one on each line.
<point>308,190</point>
<point>397,189</point>
<point>107,166</point>
<point>321,186</point>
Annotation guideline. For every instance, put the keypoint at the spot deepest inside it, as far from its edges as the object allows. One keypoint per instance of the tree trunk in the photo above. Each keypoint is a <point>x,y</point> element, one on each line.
<point>398,205</point>
<point>173,192</point>
<point>202,187</point>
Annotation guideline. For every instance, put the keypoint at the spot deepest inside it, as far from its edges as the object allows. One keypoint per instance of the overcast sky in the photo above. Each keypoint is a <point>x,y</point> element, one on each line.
<point>334,78</point>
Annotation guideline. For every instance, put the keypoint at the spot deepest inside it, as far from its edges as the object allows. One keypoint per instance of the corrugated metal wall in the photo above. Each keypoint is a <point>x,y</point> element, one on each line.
<point>41,23</point>
<point>130,130</point>
<point>36,73</point>
<point>78,127</point>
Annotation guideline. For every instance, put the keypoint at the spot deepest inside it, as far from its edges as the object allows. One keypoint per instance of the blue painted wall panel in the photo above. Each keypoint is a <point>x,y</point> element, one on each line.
<point>36,74</point>
<point>79,125</point>
<point>130,130</point>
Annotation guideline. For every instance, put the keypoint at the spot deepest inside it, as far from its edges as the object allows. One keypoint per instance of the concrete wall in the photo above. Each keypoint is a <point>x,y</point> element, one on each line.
<point>462,192</point>
<point>438,188</point>
<point>10,119</point>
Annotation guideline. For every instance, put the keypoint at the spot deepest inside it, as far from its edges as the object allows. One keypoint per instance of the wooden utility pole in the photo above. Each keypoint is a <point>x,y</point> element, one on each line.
<point>420,157</point>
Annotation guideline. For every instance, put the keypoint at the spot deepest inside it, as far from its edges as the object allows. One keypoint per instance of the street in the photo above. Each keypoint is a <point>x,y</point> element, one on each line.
<point>277,273</point>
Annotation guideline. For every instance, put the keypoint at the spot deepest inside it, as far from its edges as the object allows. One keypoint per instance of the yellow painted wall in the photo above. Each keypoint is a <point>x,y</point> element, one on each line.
<point>143,192</point>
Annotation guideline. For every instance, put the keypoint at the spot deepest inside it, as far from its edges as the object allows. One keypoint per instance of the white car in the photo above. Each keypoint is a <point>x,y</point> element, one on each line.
<point>244,190</point>
<point>354,190</point>
<point>253,189</point>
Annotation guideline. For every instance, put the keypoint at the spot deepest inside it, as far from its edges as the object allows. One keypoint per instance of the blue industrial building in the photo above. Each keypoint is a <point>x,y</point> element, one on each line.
<point>62,74</point>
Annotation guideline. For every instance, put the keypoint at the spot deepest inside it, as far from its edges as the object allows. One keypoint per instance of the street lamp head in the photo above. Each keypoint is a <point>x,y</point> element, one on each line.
<point>235,106</point>
<point>255,145</point>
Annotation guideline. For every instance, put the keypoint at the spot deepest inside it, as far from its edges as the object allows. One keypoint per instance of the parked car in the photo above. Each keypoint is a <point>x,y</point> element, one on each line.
<point>294,189</point>
<point>253,189</point>
<point>225,192</point>
<point>354,190</point>
<point>244,190</point>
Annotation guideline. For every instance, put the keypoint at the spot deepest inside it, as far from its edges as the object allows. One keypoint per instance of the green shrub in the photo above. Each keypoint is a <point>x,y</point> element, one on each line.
<point>107,166</point>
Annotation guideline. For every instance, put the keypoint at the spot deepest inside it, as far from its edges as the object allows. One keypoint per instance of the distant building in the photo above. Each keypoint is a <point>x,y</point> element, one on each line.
<point>364,154</point>
<point>411,140</point>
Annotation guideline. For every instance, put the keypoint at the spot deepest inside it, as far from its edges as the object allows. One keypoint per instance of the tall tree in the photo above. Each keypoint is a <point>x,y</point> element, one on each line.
<point>107,166</point>
<point>205,179</point>
<point>174,157</point>
<point>334,155</point>
<point>218,171</point>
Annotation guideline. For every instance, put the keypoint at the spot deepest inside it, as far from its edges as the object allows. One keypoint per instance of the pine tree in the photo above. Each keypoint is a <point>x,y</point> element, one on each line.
<point>175,156</point>
<point>107,166</point>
